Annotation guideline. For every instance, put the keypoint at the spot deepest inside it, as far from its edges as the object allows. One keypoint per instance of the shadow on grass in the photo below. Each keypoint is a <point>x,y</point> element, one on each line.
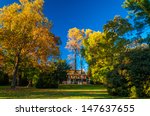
<point>65,94</point>
<point>89,87</point>
<point>33,93</point>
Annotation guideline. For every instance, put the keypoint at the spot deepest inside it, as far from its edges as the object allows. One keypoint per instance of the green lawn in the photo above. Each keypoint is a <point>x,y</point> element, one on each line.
<point>64,92</point>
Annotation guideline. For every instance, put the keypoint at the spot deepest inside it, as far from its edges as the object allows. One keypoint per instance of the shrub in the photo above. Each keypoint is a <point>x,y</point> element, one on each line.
<point>56,73</point>
<point>117,85</point>
<point>47,81</point>
<point>23,81</point>
<point>4,79</point>
<point>131,77</point>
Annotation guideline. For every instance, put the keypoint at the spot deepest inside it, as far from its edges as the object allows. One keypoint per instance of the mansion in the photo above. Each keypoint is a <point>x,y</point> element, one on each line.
<point>77,77</point>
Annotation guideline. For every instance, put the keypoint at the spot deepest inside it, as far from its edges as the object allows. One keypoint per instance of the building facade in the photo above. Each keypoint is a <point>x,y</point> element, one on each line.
<point>77,77</point>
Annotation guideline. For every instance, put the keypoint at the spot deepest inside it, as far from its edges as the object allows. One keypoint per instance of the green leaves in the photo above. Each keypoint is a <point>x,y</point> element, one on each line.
<point>102,49</point>
<point>139,11</point>
<point>117,27</point>
<point>131,74</point>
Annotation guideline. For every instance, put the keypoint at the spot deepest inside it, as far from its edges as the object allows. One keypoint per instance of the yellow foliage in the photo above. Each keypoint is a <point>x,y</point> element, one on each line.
<point>75,37</point>
<point>75,34</point>
<point>24,1</point>
<point>88,32</point>
<point>25,31</point>
<point>95,38</point>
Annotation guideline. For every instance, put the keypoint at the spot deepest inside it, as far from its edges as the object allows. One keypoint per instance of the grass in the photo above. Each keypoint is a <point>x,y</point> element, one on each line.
<point>63,92</point>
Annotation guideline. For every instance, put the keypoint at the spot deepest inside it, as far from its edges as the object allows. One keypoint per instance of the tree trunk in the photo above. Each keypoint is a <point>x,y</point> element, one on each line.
<point>18,80</point>
<point>81,64</point>
<point>13,84</point>
<point>30,83</point>
<point>75,60</point>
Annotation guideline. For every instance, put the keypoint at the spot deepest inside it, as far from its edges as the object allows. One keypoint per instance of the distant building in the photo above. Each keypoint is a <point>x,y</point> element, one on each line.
<point>78,77</point>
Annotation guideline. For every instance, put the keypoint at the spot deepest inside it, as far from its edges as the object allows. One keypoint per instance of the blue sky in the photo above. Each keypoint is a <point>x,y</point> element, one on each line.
<point>66,14</point>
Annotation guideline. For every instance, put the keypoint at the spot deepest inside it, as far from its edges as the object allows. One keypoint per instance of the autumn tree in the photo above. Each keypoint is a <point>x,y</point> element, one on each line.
<point>25,36</point>
<point>101,49</point>
<point>74,43</point>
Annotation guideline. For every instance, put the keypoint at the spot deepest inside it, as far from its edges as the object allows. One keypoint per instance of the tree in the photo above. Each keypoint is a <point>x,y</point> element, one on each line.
<point>101,49</point>
<point>74,43</point>
<point>131,76</point>
<point>138,11</point>
<point>25,35</point>
<point>55,74</point>
<point>61,70</point>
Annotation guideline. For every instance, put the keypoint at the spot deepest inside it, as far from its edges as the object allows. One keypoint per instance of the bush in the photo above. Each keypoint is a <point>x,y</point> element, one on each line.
<point>131,77</point>
<point>56,73</point>
<point>140,71</point>
<point>117,85</point>
<point>4,79</point>
<point>47,81</point>
<point>23,81</point>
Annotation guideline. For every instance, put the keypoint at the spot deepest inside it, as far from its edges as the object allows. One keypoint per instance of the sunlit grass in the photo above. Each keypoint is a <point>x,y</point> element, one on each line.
<point>64,92</point>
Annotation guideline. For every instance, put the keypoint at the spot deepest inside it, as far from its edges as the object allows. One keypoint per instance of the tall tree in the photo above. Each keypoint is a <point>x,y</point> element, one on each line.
<point>74,43</point>
<point>25,34</point>
<point>139,12</point>
<point>101,49</point>
<point>138,9</point>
